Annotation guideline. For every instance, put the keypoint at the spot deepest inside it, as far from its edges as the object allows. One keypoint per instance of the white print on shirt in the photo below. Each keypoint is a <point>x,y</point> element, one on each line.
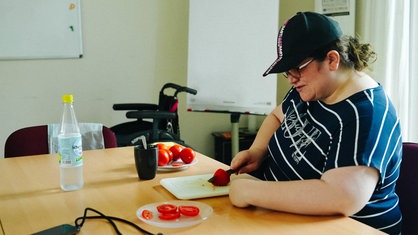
<point>301,133</point>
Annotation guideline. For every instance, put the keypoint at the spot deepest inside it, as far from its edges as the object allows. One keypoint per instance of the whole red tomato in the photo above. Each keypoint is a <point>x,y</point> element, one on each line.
<point>187,155</point>
<point>162,146</point>
<point>176,149</point>
<point>163,157</point>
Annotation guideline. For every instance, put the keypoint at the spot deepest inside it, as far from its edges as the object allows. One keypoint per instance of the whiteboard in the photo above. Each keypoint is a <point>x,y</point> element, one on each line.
<point>231,44</point>
<point>33,29</point>
<point>343,11</point>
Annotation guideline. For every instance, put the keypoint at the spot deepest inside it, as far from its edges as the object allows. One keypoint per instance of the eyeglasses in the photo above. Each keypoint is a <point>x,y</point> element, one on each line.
<point>295,72</point>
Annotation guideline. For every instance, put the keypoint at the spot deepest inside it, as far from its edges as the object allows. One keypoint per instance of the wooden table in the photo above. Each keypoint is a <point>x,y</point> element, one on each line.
<point>31,200</point>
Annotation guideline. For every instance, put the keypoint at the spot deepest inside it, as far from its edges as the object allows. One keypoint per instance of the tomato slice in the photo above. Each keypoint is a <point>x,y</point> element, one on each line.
<point>169,216</point>
<point>177,164</point>
<point>147,214</point>
<point>167,208</point>
<point>189,210</point>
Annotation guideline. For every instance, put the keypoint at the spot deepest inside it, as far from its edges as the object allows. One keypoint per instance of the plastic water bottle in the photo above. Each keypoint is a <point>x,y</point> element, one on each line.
<point>70,152</point>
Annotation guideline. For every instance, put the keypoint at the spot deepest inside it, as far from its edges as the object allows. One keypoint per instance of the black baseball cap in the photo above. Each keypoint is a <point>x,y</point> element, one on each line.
<point>300,36</point>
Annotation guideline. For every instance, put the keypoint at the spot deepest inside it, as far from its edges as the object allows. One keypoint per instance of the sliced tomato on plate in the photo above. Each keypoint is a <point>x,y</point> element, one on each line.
<point>169,216</point>
<point>167,208</point>
<point>177,164</point>
<point>147,214</point>
<point>189,210</point>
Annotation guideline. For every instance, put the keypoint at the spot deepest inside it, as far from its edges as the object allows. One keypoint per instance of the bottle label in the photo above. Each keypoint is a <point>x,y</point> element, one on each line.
<point>70,152</point>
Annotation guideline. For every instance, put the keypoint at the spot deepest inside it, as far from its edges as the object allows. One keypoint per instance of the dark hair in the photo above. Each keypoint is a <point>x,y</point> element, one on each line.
<point>353,54</point>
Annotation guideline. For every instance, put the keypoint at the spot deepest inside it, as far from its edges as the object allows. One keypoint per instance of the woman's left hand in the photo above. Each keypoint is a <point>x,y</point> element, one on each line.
<point>237,192</point>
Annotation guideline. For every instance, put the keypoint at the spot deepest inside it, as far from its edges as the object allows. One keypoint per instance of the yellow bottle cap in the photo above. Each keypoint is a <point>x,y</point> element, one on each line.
<point>67,98</point>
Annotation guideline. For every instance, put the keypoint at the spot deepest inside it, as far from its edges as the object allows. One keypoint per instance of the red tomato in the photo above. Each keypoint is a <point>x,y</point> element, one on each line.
<point>146,214</point>
<point>187,155</point>
<point>169,216</point>
<point>176,149</point>
<point>162,146</point>
<point>170,155</point>
<point>163,157</point>
<point>189,210</point>
<point>167,208</point>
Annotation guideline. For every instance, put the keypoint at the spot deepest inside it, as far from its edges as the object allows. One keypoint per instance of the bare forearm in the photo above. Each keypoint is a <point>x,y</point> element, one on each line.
<point>267,129</point>
<point>309,197</point>
<point>249,160</point>
<point>340,191</point>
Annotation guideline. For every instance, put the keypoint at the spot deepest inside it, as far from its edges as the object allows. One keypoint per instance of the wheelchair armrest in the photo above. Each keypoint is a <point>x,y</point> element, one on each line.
<point>135,106</point>
<point>151,114</point>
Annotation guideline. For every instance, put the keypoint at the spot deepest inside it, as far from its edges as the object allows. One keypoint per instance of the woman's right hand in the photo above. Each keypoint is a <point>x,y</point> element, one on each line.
<point>250,160</point>
<point>246,161</point>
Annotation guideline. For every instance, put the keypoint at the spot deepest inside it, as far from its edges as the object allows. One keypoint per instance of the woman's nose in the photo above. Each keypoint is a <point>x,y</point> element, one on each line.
<point>292,79</point>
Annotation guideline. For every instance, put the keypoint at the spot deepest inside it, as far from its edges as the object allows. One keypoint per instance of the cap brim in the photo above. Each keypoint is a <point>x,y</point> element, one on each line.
<point>280,65</point>
<point>273,68</point>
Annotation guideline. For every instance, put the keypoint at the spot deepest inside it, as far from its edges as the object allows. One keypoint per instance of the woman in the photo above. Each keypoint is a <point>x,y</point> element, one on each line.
<point>333,146</point>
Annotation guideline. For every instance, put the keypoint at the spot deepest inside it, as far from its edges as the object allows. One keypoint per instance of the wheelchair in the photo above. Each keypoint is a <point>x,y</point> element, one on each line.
<point>157,122</point>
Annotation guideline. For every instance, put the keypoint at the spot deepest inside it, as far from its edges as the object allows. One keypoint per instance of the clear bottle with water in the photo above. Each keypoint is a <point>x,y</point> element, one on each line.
<point>70,152</point>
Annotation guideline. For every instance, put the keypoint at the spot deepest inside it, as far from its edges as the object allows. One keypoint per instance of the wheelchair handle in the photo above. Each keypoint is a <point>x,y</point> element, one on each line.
<point>151,114</point>
<point>135,106</point>
<point>189,90</point>
<point>179,89</point>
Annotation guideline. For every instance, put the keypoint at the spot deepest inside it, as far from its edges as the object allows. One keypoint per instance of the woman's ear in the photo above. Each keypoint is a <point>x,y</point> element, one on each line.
<point>333,58</point>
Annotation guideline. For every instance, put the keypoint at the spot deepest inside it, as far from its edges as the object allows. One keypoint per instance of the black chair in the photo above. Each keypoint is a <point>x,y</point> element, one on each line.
<point>157,122</point>
<point>407,188</point>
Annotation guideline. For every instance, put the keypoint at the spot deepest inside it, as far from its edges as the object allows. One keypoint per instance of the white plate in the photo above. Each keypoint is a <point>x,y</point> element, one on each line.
<point>183,221</point>
<point>170,167</point>
<point>192,187</point>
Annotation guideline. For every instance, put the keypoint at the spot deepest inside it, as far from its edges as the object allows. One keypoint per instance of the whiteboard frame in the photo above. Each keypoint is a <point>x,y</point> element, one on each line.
<point>40,29</point>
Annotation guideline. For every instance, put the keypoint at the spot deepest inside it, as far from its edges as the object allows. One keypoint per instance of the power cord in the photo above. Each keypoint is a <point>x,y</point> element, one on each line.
<point>110,219</point>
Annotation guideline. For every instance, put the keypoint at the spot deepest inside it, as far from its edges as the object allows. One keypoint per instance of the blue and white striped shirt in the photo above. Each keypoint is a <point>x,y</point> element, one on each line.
<point>361,130</point>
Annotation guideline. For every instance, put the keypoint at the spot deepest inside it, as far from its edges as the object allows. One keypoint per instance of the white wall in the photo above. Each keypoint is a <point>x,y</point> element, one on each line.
<point>130,50</point>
